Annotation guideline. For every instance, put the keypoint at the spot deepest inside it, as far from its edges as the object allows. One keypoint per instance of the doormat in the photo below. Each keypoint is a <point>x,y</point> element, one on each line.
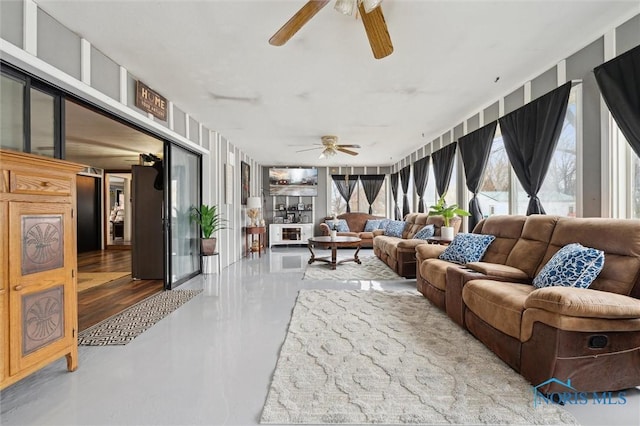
<point>87,280</point>
<point>122,328</point>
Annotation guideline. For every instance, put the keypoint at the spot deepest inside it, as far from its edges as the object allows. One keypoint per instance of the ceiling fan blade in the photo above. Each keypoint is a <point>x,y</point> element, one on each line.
<point>297,21</point>
<point>347,151</point>
<point>348,146</point>
<point>377,32</point>
<point>309,149</point>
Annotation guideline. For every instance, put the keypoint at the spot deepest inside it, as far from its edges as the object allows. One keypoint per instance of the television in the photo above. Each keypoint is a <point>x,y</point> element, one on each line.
<point>293,181</point>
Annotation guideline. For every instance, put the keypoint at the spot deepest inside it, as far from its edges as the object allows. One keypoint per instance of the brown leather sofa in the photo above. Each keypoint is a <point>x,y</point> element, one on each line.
<point>400,253</point>
<point>591,336</point>
<point>356,222</point>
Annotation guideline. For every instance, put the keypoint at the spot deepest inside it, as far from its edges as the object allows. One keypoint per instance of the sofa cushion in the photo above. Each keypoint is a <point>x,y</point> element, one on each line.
<point>467,248</point>
<point>572,266</point>
<point>507,229</point>
<point>435,272</point>
<point>499,304</point>
<point>394,228</point>
<point>372,224</point>
<point>579,302</point>
<point>497,270</point>
<point>425,233</point>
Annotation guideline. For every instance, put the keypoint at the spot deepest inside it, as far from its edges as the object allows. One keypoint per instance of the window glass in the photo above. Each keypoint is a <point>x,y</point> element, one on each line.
<point>42,123</point>
<point>11,113</point>
<point>430,194</point>
<point>494,191</point>
<point>451,196</point>
<point>635,185</point>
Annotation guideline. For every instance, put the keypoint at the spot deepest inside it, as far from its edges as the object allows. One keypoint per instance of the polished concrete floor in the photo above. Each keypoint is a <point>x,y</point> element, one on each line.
<point>208,363</point>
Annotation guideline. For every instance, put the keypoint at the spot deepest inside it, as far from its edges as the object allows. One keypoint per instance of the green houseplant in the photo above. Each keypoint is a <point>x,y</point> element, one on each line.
<point>210,221</point>
<point>447,213</point>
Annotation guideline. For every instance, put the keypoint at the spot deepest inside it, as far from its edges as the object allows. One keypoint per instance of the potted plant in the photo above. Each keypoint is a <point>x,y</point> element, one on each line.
<point>447,213</point>
<point>210,221</point>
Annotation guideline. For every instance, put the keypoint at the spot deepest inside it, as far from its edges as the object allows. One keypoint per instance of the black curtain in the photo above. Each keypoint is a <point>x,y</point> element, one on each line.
<point>345,185</point>
<point>443,167</point>
<point>394,193</point>
<point>530,136</point>
<point>371,185</point>
<point>405,173</point>
<point>420,176</point>
<point>619,82</point>
<point>475,149</point>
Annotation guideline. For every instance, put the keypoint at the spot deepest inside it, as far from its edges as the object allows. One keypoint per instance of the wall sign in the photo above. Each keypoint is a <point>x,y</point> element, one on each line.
<point>150,101</point>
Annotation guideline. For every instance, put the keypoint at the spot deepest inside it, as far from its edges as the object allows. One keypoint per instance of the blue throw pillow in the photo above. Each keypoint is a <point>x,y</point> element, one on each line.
<point>341,225</point>
<point>394,228</point>
<point>572,266</point>
<point>467,248</point>
<point>383,223</point>
<point>372,225</point>
<point>425,233</point>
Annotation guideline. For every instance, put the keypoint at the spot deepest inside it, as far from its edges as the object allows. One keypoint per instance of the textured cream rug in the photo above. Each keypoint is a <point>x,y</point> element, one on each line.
<point>358,357</point>
<point>371,268</point>
<point>87,280</point>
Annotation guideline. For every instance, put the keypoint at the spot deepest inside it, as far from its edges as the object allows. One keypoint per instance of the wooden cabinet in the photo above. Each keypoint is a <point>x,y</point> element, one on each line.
<point>38,264</point>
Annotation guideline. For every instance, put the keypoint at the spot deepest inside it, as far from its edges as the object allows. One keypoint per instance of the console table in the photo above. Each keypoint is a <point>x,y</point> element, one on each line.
<point>289,233</point>
<point>254,230</point>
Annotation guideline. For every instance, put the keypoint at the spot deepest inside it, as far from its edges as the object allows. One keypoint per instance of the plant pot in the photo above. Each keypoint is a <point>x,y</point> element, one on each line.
<point>446,232</point>
<point>208,246</point>
<point>334,234</point>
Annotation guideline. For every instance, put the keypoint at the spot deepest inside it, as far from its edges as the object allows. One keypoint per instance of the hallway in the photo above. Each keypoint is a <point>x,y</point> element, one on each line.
<point>210,362</point>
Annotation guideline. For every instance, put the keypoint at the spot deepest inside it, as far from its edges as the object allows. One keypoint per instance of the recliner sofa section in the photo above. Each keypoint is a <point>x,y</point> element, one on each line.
<point>591,336</point>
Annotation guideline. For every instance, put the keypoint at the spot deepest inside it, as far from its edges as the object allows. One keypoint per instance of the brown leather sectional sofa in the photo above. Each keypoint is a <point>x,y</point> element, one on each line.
<point>400,253</point>
<point>591,336</point>
<point>356,222</point>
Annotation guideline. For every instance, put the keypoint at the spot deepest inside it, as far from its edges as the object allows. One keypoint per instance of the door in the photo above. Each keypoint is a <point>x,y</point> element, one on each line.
<point>183,235</point>
<point>89,213</point>
<point>42,317</point>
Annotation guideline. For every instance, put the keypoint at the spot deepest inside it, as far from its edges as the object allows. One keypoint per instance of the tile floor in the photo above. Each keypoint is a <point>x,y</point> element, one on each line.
<point>208,363</point>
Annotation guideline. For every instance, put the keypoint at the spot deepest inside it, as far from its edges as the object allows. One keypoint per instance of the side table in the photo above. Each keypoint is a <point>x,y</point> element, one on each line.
<point>438,240</point>
<point>205,261</point>
<point>254,230</point>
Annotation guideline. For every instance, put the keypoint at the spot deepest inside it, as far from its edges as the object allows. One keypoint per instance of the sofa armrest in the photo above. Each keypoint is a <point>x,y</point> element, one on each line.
<point>324,229</point>
<point>499,271</point>
<point>377,232</point>
<point>410,243</point>
<point>578,302</point>
<point>429,251</point>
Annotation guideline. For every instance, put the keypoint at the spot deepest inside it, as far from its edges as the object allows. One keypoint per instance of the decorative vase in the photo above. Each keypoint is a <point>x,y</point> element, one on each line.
<point>446,232</point>
<point>208,246</point>
<point>334,234</point>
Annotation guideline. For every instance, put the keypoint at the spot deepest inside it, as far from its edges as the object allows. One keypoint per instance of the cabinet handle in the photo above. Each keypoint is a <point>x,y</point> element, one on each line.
<point>45,183</point>
<point>18,288</point>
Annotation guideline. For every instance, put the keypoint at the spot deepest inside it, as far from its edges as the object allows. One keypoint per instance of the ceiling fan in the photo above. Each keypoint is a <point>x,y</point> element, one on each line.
<point>369,10</point>
<point>330,147</point>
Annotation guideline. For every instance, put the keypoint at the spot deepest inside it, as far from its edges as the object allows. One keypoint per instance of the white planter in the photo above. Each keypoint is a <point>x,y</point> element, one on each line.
<point>334,234</point>
<point>446,232</point>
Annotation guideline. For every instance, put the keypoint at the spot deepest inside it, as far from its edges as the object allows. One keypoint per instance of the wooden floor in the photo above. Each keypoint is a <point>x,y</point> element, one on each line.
<point>101,302</point>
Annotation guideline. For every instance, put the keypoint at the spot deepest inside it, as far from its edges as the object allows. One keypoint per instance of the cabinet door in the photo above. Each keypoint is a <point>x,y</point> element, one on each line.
<point>42,291</point>
<point>4,295</point>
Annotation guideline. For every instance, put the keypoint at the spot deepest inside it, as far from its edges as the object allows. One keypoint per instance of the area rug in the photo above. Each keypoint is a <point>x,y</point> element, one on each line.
<point>122,328</point>
<point>87,280</point>
<point>371,268</point>
<point>362,357</point>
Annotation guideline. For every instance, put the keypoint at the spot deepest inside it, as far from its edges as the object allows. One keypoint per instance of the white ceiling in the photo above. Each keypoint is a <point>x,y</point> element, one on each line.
<point>212,59</point>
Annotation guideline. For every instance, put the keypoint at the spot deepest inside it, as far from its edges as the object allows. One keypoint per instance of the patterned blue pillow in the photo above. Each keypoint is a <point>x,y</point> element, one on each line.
<point>467,248</point>
<point>572,266</point>
<point>425,233</point>
<point>372,225</point>
<point>383,223</point>
<point>341,225</point>
<point>394,228</point>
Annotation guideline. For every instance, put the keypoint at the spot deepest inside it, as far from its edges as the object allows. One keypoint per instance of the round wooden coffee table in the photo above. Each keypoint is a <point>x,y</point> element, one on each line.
<point>334,243</point>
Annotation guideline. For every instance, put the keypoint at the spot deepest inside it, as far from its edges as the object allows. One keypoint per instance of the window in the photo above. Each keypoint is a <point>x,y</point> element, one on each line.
<point>42,123</point>
<point>635,185</point>
<point>558,192</point>
<point>430,194</point>
<point>625,174</point>
<point>451,197</point>
<point>494,192</point>
<point>358,201</point>
<point>11,113</point>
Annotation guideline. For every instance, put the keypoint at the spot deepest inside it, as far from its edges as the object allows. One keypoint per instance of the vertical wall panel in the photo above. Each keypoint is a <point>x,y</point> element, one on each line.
<point>544,83</point>
<point>458,131</point>
<point>105,74</point>
<point>57,45</point>
<point>11,21</point>
<point>628,35</point>
<point>580,66</point>
<point>492,113</point>
<point>179,124</point>
<point>473,123</point>
<point>194,130</point>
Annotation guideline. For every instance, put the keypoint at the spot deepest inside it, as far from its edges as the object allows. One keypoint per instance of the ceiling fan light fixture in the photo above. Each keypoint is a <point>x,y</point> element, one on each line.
<point>369,5</point>
<point>346,7</point>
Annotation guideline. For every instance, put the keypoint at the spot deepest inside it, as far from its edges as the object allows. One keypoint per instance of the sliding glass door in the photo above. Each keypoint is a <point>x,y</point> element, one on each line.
<point>183,254</point>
